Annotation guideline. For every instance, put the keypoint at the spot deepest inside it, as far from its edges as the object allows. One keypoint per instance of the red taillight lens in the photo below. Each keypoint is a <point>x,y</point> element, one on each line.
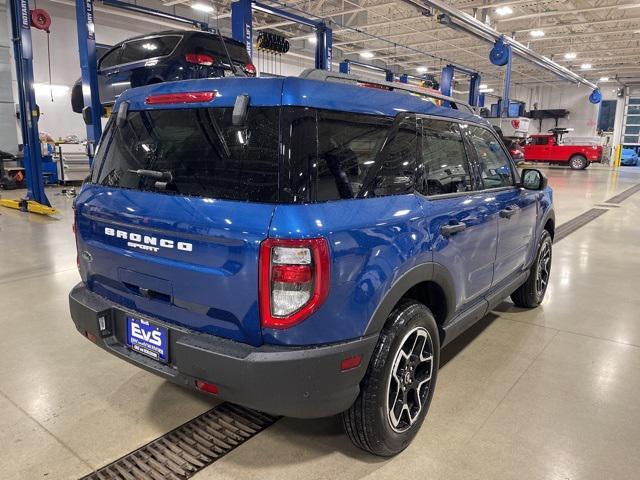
<point>190,97</point>
<point>250,69</point>
<point>294,280</point>
<point>200,59</point>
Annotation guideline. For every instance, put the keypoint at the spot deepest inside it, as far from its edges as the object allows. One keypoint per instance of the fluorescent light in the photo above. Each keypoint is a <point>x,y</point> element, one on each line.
<point>630,5</point>
<point>536,33</point>
<point>585,66</point>
<point>486,90</point>
<point>604,79</point>
<point>203,7</point>
<point>570,55</point>
<point>46,89</point>
<point>149,46</point>
<point>366,55</point>
<point>502,11</point>
<point>483,86</point>
<point>421,69</point>
<point>313,39</point>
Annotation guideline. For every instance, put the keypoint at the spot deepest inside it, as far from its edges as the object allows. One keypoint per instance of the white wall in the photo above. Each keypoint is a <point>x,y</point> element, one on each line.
<point>8,128</point>
<point>583,116</point>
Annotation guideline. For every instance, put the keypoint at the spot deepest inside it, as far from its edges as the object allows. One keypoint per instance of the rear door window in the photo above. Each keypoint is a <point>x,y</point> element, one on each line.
<point>195,152</point>
<point>444,167</point>
<point>494,164</point>
<point>350,162</point>
<point>145,48</point>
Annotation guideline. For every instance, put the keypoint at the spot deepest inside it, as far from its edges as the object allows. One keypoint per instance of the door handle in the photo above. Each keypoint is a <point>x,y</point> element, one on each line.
<point>509,211</point>
<point>452,229</point>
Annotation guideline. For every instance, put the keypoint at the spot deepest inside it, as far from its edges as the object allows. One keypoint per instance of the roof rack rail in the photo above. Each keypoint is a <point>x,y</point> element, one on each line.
<point>324,75</point>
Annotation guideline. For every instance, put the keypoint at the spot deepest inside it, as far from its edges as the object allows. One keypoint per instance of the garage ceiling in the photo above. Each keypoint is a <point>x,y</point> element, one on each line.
<point>603,34</point>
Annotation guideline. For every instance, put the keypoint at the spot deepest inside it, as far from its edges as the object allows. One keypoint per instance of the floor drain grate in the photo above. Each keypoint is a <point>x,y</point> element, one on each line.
<point>624,195</point>
<point>574,224</point>
<point>183,452</point>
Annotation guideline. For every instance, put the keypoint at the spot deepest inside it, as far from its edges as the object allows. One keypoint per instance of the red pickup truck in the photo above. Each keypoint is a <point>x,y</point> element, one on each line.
<point>549,148</point>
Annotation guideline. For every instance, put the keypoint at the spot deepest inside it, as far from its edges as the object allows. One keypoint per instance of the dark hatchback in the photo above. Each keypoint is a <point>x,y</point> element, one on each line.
<point>164,57</point>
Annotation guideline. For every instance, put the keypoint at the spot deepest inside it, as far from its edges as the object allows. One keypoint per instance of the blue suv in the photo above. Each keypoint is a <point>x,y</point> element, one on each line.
<point>304,246</point>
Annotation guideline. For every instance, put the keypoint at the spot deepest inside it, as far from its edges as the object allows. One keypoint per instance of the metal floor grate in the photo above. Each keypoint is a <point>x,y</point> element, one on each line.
<point>624,195</point>
<point>183,452</point>
<point>575,223</point>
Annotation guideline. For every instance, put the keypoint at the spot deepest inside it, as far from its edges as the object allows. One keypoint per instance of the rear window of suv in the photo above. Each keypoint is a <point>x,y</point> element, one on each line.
<point>199,148</point>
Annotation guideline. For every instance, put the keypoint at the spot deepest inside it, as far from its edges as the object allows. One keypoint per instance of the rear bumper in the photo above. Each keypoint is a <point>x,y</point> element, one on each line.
<point>298,382</point>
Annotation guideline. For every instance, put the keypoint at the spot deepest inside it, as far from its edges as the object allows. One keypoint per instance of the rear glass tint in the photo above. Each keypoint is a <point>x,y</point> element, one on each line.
<point>137,50</point>
<point>194,152</point>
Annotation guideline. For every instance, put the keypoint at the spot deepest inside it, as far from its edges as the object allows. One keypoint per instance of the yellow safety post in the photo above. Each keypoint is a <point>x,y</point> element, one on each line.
<point>30,206</point>
<point>617,156</point>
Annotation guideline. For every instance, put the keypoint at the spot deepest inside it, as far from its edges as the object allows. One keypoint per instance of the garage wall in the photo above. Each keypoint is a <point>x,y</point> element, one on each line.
<point>583,117</point>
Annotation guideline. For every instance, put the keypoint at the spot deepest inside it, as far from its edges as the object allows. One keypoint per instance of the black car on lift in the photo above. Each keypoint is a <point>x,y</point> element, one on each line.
<point>164,57</point>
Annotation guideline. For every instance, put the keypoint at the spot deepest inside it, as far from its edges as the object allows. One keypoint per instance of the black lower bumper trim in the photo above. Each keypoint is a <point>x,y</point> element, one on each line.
<point>298,382</point>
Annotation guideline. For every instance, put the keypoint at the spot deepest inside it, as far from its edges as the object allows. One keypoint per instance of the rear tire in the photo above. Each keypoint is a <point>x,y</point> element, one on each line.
<point>578,162</point>
<point>397,389</point>
<point>531,293</point>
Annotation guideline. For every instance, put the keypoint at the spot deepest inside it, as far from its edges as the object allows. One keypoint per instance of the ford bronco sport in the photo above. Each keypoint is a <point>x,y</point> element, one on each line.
<point>303,246</point>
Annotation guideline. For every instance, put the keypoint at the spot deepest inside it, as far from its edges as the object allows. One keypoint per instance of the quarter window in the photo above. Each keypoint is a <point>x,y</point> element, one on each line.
<point>444,167</point>
<point>351,159</point>
<point>110,59</point>
<point>494,164</point>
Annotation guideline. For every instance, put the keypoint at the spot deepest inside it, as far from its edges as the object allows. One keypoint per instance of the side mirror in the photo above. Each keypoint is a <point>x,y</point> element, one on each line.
<point>533,179</point>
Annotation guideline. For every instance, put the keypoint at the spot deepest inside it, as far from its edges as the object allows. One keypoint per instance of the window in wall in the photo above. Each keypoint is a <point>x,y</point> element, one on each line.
<point>607,115</point>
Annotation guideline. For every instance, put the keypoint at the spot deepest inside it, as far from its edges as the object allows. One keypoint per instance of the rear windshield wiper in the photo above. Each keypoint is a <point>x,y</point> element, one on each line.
<point>160,176</point>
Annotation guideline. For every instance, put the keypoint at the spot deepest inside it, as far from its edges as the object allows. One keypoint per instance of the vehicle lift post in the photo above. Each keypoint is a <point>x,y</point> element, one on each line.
<point>92,112</point>
<point>36,200</point>
<point>345,67</point>
<point>446,83</point>
<point>242,29</point>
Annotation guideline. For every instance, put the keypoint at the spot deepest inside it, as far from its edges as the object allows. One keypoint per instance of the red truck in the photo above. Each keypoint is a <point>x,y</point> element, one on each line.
<point>550,148</point>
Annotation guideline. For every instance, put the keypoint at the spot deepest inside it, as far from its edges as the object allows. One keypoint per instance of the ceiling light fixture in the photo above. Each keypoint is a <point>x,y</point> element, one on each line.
<point>421,69</point>
<point>604,79</point>
<point>202,7</point>
<point>570,55</point>
<point>483,86</point>
<point>536,33</point>
<point>486,90</point>
<point>366,55</point>
<point>313,39</point>
<point>502,11</point>
<point>585,66</point>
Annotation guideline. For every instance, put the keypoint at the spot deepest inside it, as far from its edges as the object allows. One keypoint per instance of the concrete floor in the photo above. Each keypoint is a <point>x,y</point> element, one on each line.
<point>549,393</point>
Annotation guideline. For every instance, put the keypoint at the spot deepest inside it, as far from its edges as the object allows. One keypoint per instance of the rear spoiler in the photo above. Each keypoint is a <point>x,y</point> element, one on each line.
<point>324,75</point>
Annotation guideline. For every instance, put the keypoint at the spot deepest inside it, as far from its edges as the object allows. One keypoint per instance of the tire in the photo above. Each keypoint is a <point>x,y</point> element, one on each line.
<point>531,293</point>
<point>370,423</point>
<point>578,162</point>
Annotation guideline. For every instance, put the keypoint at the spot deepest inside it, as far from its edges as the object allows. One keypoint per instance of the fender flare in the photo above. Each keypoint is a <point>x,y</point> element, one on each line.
<point>424,272</point>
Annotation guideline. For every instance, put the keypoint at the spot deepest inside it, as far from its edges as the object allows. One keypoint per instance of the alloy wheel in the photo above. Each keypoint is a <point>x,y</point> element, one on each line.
<point>410,379</point>
<point>543,270</point>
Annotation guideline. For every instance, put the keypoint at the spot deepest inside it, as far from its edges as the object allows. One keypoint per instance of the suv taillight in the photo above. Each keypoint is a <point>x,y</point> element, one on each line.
<point>200,59</point>
<point>294,280</point>
<point>249,69</point>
